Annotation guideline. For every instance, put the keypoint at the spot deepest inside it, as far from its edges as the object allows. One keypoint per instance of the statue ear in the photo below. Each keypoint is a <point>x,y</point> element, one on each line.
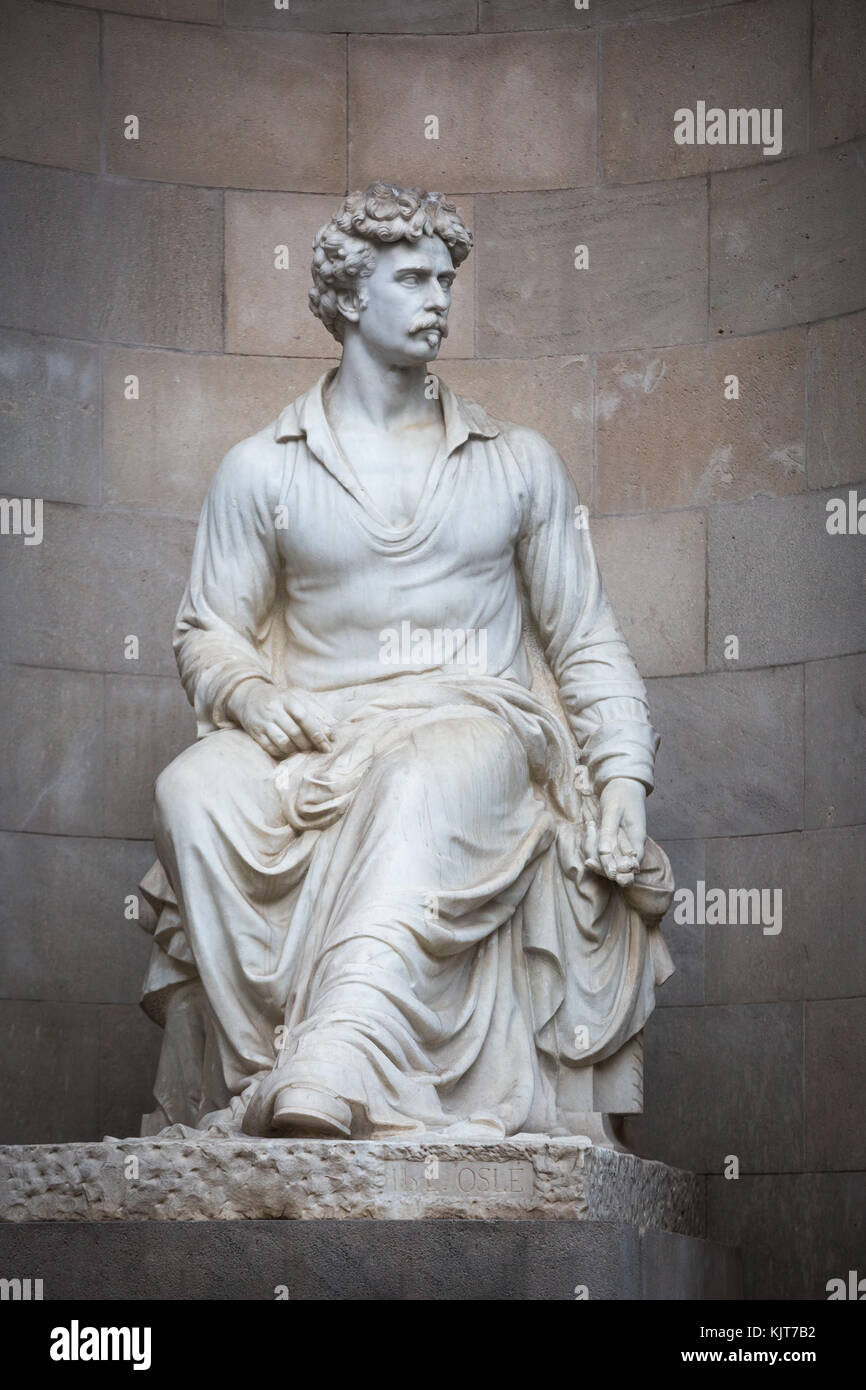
<point>349,303</point>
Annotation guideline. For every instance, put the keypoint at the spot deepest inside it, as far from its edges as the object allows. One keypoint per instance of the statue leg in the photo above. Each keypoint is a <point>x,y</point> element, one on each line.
<point>406,1009</point>
<point>233,862</point>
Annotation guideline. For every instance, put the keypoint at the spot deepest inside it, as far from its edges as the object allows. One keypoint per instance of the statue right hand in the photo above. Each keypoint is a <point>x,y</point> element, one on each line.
<point>280,721</point>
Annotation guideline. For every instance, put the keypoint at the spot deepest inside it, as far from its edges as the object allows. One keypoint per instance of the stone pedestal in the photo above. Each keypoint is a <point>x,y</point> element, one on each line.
<point>387,1260</point>
<point>268,1218</point>
<point>209,1179</point>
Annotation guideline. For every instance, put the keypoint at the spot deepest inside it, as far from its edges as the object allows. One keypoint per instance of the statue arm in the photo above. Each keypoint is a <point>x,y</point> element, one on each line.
<point>600,687</point>
<point>227,608</point>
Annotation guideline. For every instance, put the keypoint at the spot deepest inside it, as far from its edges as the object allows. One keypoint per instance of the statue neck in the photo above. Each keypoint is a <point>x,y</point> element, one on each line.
<point>369,393</point>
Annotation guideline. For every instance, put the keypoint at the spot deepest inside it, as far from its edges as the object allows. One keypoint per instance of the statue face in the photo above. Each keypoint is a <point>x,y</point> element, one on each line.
<point>408,296</point>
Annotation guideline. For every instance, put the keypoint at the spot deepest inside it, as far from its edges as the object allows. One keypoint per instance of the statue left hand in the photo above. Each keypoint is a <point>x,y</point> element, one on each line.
<point>616,848</point>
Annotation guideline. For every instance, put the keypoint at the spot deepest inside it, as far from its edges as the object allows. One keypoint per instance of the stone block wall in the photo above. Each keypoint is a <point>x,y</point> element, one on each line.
<point>154,259</point>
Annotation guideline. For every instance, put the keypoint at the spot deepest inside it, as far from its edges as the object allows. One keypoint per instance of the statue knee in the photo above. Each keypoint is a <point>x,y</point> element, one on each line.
<point>477,744</point>
<point>180,789</point>
<point>455,755</point>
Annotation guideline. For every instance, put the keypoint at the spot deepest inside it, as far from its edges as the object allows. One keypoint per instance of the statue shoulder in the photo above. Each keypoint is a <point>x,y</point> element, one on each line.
<point>535,454</point>
<point>253,464</point>
<point>527,442</point>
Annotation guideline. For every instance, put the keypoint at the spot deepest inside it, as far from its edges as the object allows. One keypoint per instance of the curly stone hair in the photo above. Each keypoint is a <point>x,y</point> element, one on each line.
<point>344,249</point>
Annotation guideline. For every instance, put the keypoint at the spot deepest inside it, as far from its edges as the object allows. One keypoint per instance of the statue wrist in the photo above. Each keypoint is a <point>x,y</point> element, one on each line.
<point>235,702</point>
<point>626,783</point>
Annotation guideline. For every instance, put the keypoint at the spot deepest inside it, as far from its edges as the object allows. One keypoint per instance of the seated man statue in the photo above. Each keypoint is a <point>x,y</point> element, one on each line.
<point>404,885</point>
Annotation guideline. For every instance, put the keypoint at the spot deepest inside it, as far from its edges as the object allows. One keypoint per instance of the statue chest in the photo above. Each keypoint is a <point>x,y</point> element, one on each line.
<point>467,523</point>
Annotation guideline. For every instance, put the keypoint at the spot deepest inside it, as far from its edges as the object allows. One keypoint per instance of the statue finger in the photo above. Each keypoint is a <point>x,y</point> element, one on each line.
<point>280,738</point>
<point>608,862</point>
<point>292,731</point>
<point>309,703</point>
<point>611,816</point>
<point>638,843</point>
<point>589,847</point>
<point>625,869</point>
<point>607,840</point>
<point>269,747</point>
<point>628,858</point>
<point>314,726</point>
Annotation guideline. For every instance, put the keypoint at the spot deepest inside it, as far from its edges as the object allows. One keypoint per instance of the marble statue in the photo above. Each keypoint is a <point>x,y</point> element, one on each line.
<point>404,886</point>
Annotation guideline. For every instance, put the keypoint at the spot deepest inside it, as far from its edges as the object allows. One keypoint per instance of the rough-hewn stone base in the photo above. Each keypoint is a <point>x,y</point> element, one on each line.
<point>292,1179</point>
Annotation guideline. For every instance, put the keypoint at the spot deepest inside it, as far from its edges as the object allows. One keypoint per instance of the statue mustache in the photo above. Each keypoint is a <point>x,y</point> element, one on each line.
<point>423,325</point>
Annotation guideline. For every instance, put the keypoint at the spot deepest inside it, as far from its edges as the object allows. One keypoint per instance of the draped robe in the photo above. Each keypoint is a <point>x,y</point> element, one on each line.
<point>405,922</point>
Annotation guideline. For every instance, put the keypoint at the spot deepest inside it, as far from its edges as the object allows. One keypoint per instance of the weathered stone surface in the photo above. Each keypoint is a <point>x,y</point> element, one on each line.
<point>163,450</point>
<point>221,107</point>
<point>505,15</point>
<point>148,721</point>
<point>788,241</point>
<point>130,261</point>
<point>835,1084</point>
<point>52,750</point>
<point>752,784</point>
<point>513,112</point>
<point>645,283</point>
<point>63,930</point>
<point>199,11</point>
<point>233,1179</point>
<point>97,578</point>
<point>145,566</point>
<point>267,309</point>
<point>781,584</point>
<point>668,437</point>
<point>70,1070</point>
<point>837,403</point>
<point>129,1046</point>
<point>685,942</point>
<point>560,14</point>
<point>49,418</point>
<point>49,1070</point>
<point>746,56</point>
<point>679,1267</point>
<point>553,396</point>
<point>660,602</point>
<point>821,950</point>
<point>347,16</point>
<point>838,91</point>
<point>795,1231</point>
<point>48,51</point>
<point>835,787</point>
<point>393,1261</point>
<point>740,1069</point>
